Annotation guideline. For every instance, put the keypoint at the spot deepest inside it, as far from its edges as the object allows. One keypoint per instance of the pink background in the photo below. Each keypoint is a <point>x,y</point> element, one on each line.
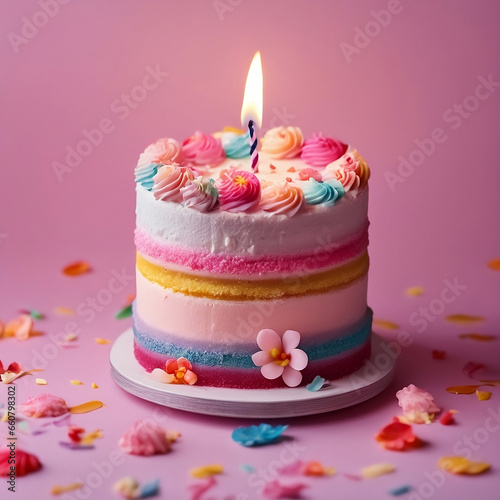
<point>395,88</point>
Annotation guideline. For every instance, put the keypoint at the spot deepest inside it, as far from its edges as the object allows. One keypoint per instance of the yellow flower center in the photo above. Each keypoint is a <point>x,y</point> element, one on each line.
<point>280,358</point>
<point>240,180</point>
<point>179,374</point>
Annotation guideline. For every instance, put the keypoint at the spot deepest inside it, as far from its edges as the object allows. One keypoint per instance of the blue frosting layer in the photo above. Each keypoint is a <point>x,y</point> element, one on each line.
<point>242,358</point>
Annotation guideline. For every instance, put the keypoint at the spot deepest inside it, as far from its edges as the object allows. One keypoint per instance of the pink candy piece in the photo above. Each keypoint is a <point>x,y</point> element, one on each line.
<point>44,405</point>
<point>413,399</point>
<point>146,438</point>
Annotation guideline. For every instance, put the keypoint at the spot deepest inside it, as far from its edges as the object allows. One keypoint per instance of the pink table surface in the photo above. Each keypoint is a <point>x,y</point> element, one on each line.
<point>391,77</point>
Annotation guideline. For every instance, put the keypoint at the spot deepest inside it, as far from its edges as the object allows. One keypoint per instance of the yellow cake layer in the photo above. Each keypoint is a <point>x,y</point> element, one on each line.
<point>226,289</point>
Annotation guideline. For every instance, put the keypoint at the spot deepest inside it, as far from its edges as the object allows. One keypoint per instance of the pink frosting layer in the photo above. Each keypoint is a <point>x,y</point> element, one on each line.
<point>223,264</point>
<point>329,369</point>
<point>234,322</point>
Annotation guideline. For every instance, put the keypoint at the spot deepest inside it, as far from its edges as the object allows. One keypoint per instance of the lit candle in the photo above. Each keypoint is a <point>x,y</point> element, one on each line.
<point>251,111</point>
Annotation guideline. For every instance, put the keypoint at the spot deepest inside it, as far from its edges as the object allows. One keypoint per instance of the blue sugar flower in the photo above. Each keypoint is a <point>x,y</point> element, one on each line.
<point>256,435</point>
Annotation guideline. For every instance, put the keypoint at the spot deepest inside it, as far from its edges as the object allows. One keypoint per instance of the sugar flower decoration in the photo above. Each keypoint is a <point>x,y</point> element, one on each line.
<point>256,435</point>
<point>280,357</point>
<point>25,462</point>
<point>418,405</point>
<point>397,436</point>
<point>239,190</point>
<point>21,327</point>
<point>147,438</point>
<point>177,371</point>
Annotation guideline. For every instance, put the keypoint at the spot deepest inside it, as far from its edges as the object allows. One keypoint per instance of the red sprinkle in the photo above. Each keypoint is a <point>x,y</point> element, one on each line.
<point>436,354</point>
<point>447,418</point>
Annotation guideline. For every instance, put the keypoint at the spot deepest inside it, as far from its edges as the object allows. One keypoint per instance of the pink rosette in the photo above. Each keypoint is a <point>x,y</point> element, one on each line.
<point>164,151</point>
<point>344,168</point>
<point>169,181</point>
<point>147,438</point>
<point>201,149</point>
<point>200,194</point>
<point>239,191</point>
<point>349,179</point>
<point>319,151</point>
<point>282,142</point>
<point>282,199</point>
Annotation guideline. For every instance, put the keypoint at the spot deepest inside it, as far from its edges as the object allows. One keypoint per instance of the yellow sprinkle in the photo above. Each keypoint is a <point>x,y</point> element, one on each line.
<point>57,490</point>
<point>461,465</point>
<point>388,325</point>
<point>89,438</point>
<point>70,337</point>
<point>480,337</point>
<point>86,407</point>
<point>76,382</point>
<point>330,471</point>
<point>5,416</point>
<point>414,291</point>
<point>41,381</point>
<point>463,319</point>
<point>64,310</point>
<point>206,470</point>
<point>494,264</point>
<point>94,386</point>
<point>376,470</point>
<point>483,395</point>
<point>102,341</point>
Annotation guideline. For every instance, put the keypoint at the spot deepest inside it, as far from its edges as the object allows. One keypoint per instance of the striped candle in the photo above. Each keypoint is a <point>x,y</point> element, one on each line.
<point>253,147</point>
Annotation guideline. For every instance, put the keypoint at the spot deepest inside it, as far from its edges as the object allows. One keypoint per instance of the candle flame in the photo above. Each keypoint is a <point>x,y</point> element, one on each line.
<point>252,99</point>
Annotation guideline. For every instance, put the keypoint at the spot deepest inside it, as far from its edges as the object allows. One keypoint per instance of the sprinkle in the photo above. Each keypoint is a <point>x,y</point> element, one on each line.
<point>291,169</point>
<point>275,489</point>
<point>40,381</point>
<point>57,490</point>
<point>400,490</point>
<point>76,382</point>
<point>461,465</point>
<point>479,337</point>
<point>316,384</point>
<point>126,312</point>
<point>436,354</point>
<point>77,268</point>
<point>66,311</point>
<point>86,407</point>
<point>376,470</point>
<point>387,325</point>
<point>102,341</point>
<point>247,468</point>
<point>149,489</point>
<point>198,490</point>
<point>483,395</point>
<point>206,471</point>
<point>130,298</point>
<point>34,314</point>
<point>463,319</point>
<point>447,417</point>
<point>126,487</point>
<point>288,179</point>
<point>485,382</point>
<point>397,436</point>
<point>316,468</point>
<point>415,291</point>
<point>94,386</point>
<point>494,264</point>
<point>272,167</point>
<point>470,367</point>
<point>462,389</point>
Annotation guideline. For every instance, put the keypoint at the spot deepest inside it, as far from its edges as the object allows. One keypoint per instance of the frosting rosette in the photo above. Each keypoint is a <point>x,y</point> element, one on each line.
<point>325,193</point>
<point>201,149</point>
<point>147,438</point>
<point>282,142</point>
<point>239,191</point>
<point>319,151</point>
<point>144,175</point>
<point>236,145</point>
<point>200,194</point>
<point>344,168</point>
<point>44,405</point>
<point>169,180</point>
<point>164,150</point>
<point>282,199</point>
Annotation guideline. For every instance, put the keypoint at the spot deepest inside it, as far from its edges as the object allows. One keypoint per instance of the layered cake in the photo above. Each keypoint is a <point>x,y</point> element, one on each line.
<point>251,277</point>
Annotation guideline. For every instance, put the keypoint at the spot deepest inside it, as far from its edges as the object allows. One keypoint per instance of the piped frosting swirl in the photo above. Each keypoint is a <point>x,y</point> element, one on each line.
<point>319,151</point>
<point>282,199</point>
<point>239,191</point>
<point>325,193</point>
<point>201,149</point>
<point>350,169</point>
<point>200,194</point>
<point>169,180</point>
<point>282,142</point>
<point>236,145</point>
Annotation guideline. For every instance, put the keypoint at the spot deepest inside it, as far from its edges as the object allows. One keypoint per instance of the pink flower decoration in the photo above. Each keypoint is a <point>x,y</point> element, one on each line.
<point>418,405</point>
<point>280,357</point>
<point>177,371</point>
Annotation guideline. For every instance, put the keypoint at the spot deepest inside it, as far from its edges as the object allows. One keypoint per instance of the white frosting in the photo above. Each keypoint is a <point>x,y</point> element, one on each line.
<point>247,235</point>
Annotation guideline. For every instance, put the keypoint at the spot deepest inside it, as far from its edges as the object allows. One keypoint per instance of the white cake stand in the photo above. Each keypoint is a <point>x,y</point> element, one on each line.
<point>367,382</point>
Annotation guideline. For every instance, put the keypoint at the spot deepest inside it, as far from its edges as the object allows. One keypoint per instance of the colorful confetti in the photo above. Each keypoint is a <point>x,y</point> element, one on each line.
<point>275,489</point>
<point>57,489</point>
<point>315,468</point>
<point>494,264</point>
<point>94,386</point>
<point>483,395</point>
<point>478,337</point>
<point>316,384</point>
<point>462,389</point>
<point>199,489</point>
<point>206,471</point>
<point>126,312</point>
<point>447,418</point>
<point>86,407</point>
<point>397,436</point>
<point>65,311</point>
<point>386,325</point>
<point>76,382</point>
<point>21,327</point>
<point>77,268</point>
<point>461,465</point>
<point>471,367</point>
<point>40,381</point>
<point>102,341</point>
<point>463,319</point>
<point>400,490</point>
<point>376,470</point>
<point>415,291</point>
<point>34,314</point>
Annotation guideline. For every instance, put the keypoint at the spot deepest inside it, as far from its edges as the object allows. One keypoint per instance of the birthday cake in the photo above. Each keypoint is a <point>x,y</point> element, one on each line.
<point>251,277</point>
